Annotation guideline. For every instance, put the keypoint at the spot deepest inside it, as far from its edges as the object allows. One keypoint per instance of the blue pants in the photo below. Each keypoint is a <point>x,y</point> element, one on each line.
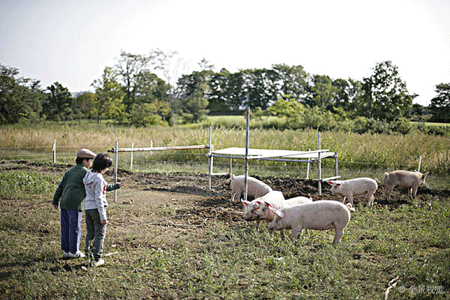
<point>71,230</point>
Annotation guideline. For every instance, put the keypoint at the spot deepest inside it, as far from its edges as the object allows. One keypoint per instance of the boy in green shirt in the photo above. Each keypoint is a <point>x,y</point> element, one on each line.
<point>70,195</point>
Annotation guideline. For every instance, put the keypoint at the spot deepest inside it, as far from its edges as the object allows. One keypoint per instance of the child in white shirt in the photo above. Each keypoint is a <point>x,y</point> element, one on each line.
<point>95,206</point>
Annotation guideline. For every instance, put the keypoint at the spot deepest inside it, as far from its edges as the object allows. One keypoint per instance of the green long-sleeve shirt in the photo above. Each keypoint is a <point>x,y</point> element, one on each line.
<point>71,192</point>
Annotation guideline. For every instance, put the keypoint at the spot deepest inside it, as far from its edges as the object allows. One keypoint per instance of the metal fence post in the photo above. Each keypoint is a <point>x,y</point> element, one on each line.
<point>210,158</point>
<point>116,161</point>
<point>131,158</point>
<point>54,150</point>
<point>246,154</point>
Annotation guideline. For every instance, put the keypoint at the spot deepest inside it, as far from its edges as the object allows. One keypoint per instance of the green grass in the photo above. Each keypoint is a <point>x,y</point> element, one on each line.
<point>410,243</point>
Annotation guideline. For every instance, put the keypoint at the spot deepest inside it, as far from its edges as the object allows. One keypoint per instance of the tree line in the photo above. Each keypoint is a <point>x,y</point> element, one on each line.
<point>131,92</point>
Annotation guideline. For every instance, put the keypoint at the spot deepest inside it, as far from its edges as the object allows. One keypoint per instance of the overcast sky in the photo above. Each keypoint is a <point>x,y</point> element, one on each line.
<point>72,41</point>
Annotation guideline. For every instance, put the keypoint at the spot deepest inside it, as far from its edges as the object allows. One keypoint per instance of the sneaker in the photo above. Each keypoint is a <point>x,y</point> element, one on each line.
<point>65,254</point>
<point>79,254</point>
<point>99,262</point>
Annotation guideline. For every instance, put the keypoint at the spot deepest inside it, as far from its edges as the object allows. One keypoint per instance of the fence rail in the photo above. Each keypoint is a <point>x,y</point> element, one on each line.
<point>67,155</point>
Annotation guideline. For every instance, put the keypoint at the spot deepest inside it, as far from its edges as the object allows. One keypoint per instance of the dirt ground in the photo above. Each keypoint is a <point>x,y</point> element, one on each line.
<point>184,201</point>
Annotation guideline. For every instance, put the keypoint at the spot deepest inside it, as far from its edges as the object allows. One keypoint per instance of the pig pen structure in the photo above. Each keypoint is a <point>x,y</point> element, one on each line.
<point>308,157</point>
<point>314,156</point>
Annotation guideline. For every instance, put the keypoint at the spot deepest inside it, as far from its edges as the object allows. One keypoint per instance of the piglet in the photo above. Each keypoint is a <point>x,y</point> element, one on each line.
<point>252,206</point>
<point>317,215</point>
<point>265,213</point>
<point>255,187</point>
<point>403,179</point>
<point>356,186</point>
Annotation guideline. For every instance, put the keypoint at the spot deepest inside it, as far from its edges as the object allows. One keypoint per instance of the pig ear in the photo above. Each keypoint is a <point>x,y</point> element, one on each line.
<point>339,184</point>
<point>277,212</point>
<point>330,182</point>
<point>268,204</point>
<point>244,202</point>
<point>258,203</point>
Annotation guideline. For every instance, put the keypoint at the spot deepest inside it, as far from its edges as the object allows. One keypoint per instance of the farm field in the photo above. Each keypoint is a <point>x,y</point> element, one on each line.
<point>170,237</point>
<point>358,154</point>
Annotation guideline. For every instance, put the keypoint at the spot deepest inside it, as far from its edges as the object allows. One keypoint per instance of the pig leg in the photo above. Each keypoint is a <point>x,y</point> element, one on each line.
<point>389,192</point>
<point>233,195</point>
<point>238,195</point>
<point>350,199</point>
<point>258,222</point>
<point>295,233</point>
<point>338,233</point>
<point>370,202</point>
<point>371,199</point>
<point>414,191</point>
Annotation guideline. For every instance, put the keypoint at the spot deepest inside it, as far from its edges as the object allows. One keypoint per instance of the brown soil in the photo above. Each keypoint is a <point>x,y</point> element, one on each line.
<point>184,201</point>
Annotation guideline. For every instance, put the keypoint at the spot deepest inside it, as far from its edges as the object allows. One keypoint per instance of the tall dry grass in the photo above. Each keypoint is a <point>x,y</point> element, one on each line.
<point>354,150</point>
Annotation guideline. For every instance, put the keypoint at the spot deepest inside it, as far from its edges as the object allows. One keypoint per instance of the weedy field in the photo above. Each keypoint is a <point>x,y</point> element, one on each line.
<point>357,151</point>
<point>170,237</point>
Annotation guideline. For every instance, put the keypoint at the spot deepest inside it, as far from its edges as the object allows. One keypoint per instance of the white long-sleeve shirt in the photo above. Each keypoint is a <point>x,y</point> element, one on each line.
<point>96,187</point>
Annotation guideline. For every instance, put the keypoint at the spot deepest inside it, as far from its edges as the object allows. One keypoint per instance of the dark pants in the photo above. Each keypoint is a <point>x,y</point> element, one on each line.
<point>95,232</point>
<point>70,230</point>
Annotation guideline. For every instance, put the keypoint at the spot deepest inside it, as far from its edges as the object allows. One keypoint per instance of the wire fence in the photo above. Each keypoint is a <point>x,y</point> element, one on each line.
<point>194,161</point>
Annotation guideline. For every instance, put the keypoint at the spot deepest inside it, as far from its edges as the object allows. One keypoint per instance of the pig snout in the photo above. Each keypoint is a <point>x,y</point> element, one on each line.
<point>250,216</point>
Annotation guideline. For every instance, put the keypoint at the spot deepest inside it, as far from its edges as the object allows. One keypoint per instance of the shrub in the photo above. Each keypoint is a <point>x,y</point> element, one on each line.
<point>17,184</point>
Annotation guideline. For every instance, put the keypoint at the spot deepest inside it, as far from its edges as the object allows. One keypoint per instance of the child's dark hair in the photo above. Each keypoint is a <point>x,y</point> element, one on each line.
<point>101,162</point>
<point>79,160</point>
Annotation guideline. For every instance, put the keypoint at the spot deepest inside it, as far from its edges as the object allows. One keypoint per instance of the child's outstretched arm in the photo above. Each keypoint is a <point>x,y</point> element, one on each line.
<point>114,186</point>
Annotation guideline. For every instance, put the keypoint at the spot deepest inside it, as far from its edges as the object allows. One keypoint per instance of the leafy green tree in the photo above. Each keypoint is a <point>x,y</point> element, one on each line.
<point>322,92</point>
<point>440,105</point>
<point>109,97</point>
<point>318,118</point>
<point>291,80</point>
<point>419,113</point>
<point>171,67</point>
<point>130,68</point>
<point>260,90</point>
<point>59,103</point>
<point>219,94</point>
<point>139,81</point>
<point>348,96</point>
<point>286,106</point>
<point>235,91</point>
<point>147,114</point>
<point>195,106</point>
<point>152,104</point>
<point>386,94</point>
<point>84,104</point>
<point>150,88</point>
<point>232,92</point>
<point>192,93</point>
<point>20,98</point>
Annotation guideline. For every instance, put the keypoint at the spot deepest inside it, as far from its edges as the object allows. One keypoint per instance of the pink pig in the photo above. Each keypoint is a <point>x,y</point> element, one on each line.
<point>255,187</point>
<point>317,215</point>
<point>250,207</point>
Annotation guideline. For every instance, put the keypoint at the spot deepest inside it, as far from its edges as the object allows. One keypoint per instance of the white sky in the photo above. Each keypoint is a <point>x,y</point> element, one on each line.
<point>72,41</point>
